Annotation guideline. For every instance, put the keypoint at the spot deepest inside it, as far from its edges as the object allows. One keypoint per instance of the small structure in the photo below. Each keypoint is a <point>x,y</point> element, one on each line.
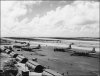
<point>8,51</point>
<point>35,74</point>
<point>59,49</point>
<point>35,66</point>
<point>34,59</point>
<point>15,55</point>
<point>21,59</point>
<point>12,54</point>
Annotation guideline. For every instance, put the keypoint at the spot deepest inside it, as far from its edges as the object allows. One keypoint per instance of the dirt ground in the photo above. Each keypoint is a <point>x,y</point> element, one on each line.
<point>62,62</point>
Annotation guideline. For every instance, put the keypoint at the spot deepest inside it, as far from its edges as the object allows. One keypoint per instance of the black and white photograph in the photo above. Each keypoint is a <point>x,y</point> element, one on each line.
<point>49,38</point>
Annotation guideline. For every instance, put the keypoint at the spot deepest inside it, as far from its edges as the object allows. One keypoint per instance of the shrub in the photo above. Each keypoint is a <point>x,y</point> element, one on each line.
<point>9,68</point>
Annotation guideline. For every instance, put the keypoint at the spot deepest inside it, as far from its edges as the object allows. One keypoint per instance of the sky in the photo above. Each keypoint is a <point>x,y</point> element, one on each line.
<point>41,18</point>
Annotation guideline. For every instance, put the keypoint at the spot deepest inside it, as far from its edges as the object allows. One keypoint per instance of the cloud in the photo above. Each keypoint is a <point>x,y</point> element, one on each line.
<point>80,18</point>
<point>10,11</point>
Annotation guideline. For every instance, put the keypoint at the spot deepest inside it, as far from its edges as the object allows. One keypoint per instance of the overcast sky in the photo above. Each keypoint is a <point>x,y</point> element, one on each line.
<point>50,18</point>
